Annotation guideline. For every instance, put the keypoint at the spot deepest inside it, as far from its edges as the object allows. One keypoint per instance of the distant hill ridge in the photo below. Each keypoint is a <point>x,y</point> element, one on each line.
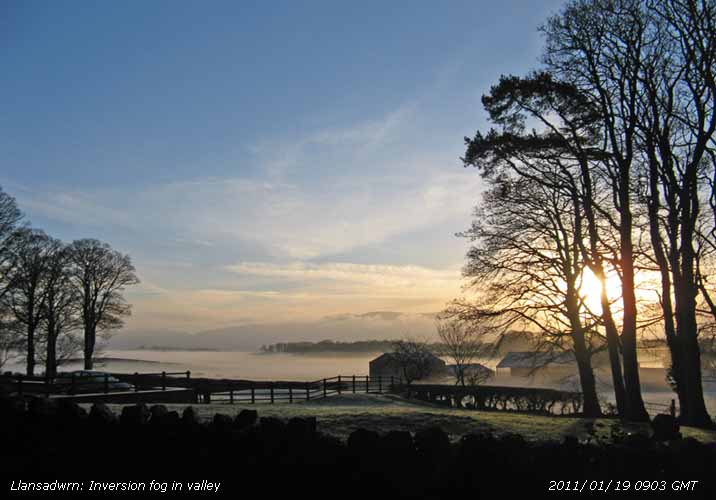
<point>347,327</point>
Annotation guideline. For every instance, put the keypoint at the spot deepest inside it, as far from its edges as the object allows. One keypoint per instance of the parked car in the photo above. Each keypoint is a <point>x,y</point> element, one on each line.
<point>85,381</point>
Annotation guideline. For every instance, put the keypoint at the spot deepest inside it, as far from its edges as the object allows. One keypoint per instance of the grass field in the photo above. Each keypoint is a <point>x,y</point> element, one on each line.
<point>340,415</point>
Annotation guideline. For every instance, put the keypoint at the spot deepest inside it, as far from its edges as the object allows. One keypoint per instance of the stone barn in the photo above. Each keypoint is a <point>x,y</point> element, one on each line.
<point>386,365</point>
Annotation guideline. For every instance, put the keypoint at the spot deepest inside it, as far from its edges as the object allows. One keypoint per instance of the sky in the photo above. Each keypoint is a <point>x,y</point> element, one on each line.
<point>259,161</point>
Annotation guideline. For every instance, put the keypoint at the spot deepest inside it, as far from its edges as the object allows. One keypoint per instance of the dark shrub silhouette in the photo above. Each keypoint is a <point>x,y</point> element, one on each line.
<point>294,457</point>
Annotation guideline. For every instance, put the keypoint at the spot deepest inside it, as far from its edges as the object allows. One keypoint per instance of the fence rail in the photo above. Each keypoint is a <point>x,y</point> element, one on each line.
<point>104,383</point>
<point>252,391</point>
<point>233,391</point>
<point>207,390</point>
<point>656,408</point>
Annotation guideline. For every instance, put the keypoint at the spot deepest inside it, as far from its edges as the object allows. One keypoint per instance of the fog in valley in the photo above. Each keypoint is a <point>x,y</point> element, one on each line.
<point>377,325</point>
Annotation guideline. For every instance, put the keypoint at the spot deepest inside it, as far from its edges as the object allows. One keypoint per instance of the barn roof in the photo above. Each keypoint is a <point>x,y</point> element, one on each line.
<point>387,357</point>
<point>535,359</point>
<point>383,358</point>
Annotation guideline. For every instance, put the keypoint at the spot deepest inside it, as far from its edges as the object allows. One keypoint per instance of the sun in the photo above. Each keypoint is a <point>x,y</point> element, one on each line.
<point>591,290</point>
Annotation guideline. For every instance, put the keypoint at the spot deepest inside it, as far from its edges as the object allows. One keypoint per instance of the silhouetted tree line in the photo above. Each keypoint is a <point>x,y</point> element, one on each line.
<point>56,297</point>
<point>329,346</point>
<point>604,160</point>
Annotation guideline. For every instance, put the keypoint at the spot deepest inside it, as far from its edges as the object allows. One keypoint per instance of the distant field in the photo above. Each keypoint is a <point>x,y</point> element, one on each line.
<point>341,415</point>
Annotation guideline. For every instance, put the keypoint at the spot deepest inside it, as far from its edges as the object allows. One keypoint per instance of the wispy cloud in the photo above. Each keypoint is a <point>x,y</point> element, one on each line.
<point>330,192</point>
<point>279,158</point>
<point>290,221</point>
<point>270,292</point>
<point>379,279</point>
<point>365,134</point>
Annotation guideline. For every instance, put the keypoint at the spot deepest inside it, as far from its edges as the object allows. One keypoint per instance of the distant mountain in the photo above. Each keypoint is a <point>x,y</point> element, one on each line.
<point>339,327</point>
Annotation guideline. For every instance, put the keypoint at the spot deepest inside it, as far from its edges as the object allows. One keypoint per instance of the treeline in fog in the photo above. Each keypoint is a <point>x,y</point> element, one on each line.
<point>329,346</point>
<point>56,297</point>
<point>508,341</point>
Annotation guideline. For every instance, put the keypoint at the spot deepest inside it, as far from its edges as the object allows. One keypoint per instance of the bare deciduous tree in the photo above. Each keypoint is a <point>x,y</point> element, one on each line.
<point>461,343</point>
<point>597,45</point>
<point>61,309</point>
<point>678,129</point>
<point>558,156</point>
<point>476,375</point>
<point>27,295</point>
<point>10,343</point>
<point>649,68</point>
<point>49,289</point>
<point>10,217</point>
<point>414,359</point>
<point>527,267</point>
<point>100,275</point>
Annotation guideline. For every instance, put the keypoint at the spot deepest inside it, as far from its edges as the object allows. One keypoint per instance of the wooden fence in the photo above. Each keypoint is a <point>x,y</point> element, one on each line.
<point>234,391</point>
<point>207,390</point>
<point>253,391</point>
<point>101,383</point>
<point>656,408</point>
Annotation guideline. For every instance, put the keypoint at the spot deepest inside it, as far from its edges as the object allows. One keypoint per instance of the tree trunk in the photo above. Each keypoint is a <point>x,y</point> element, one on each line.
<point>635,404</point>
<point>587,381</point>
<point>667,265</point>
<point>677,374</point>
<point>583,356</point>
<point>673,339</point>
<point>90,336</point>
<point>596,265</point>
<point>30,361</point>
<point>613,349</point>
<point>696,413</point>
<point>51,358</point>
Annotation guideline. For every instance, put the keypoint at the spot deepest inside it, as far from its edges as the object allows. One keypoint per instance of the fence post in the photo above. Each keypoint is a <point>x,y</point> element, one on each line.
<point>308,391</point>
<point>271,392</point>
<point>188,374</point>
<point>325,393</point>
<point>164,381</point>
<point>290,394</point>
<point>672,408</point>
<point>106,383</point>
<point>136,382</point>
<point>354,384</point>
<point>253,394</point>
<point>19,384</point>
<point>367,384</point>
<point>380,384</point>
<point>392,384</point>
<point>339,384</point>
<point>72,383</point>
<point>231,395</point>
